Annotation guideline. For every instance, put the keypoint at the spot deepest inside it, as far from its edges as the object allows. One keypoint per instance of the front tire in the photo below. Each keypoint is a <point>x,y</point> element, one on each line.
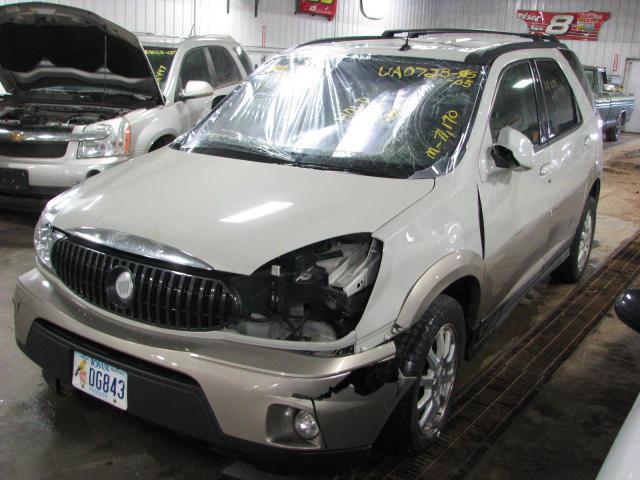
<point>431,351</point>
<point>572,269</point>
<point>613,133</point>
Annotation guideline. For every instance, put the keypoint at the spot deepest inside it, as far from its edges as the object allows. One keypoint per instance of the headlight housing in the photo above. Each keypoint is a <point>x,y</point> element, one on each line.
<point>315,294</point>
<point>44,234</point>
<point>115,139</point>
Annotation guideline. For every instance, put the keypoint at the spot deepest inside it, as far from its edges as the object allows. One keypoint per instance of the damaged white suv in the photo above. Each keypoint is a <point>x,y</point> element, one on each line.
<point>307,267</point>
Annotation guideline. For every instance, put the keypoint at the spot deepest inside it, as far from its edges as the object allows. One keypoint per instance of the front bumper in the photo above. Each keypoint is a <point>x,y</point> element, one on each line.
<point>50,176</point>
<point>232,389</point>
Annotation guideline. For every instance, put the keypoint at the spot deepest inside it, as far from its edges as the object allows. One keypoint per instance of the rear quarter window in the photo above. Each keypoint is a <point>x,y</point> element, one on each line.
<point>578,69</point>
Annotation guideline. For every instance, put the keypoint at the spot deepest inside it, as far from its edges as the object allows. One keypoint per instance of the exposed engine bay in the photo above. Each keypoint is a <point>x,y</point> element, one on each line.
<point>53,117</point>
<point>317,293</point>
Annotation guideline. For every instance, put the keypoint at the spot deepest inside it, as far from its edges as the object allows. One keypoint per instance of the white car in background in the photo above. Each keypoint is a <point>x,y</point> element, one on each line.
<point>623,461</point>
<point>66,117</point>
<point>217,60</point>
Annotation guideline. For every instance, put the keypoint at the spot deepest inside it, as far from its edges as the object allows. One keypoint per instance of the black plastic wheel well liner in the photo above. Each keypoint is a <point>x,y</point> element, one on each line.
<point>466,291</point>
<point>161,142</point>
<point>595,190</point>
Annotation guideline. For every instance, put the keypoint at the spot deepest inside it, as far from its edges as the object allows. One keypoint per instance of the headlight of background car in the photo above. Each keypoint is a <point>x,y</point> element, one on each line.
<point>44,234</point>
<point>115,139</point>
<point>317,293</point>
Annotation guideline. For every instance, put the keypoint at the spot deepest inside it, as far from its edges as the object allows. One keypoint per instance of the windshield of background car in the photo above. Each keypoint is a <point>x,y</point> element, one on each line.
<point>376,115</point>
<point>591,78</point>
<point>160,59</point>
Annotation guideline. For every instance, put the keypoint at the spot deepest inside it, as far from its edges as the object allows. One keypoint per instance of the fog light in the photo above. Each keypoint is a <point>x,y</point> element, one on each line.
<point>306,425</point>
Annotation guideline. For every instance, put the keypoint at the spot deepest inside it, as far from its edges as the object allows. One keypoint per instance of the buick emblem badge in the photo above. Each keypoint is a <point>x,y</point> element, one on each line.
<point>124,286</point>
<point>120,287</point>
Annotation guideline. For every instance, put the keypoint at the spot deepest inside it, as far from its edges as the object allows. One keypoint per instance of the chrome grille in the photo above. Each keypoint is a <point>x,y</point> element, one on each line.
<point>162,296</point>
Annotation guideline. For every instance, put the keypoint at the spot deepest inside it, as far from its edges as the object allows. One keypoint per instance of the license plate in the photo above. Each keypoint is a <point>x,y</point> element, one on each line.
<point>100,380</point>
<point>13,179</point>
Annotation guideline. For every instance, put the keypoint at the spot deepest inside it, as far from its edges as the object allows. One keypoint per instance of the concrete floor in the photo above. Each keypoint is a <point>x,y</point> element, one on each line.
<point>564,433</point>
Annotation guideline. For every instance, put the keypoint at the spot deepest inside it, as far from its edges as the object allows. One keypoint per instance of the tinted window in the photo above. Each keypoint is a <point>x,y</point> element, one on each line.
<point>194,67</point>
<point>225,66</point>
<point>515,104</point>
<point>244,60</point>
<point>558,97</point>
<point>585,77</point>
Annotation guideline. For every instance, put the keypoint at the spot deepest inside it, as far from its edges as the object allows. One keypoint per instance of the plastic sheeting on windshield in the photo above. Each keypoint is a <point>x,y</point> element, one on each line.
<point>377,115</point>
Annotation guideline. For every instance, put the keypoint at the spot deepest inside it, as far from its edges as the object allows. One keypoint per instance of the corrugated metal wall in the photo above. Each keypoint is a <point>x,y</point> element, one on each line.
<point>620,34</point>
<point>283,28</point>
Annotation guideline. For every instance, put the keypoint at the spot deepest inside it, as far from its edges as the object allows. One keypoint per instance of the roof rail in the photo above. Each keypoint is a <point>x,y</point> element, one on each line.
<point>340,39</point>
<point>415,33</point>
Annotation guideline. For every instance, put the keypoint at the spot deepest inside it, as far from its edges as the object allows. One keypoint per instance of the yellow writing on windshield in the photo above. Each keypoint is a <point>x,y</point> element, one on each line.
<point>464,78</point>
<point>443,133</point>
<point>150,51</point>
<point>160,73</point>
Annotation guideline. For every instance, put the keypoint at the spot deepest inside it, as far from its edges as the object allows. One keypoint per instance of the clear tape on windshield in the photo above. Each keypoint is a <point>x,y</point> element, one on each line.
<point>380,115</point>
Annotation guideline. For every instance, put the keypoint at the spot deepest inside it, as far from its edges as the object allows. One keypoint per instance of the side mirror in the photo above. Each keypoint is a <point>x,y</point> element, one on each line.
<point>628,308</point>
<point>512,150</point>
<point>609,87</point>
<point>195,89</point>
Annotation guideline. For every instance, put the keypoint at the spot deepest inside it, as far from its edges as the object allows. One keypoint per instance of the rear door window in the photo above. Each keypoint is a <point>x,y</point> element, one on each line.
<point>245,60</point>
<point>515,104</point>
<point>559,101</point>
<point>225,66</point>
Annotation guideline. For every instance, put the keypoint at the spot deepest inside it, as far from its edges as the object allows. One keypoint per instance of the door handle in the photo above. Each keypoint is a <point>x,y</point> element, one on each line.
<point>587,140</point>
<point>545,169</point>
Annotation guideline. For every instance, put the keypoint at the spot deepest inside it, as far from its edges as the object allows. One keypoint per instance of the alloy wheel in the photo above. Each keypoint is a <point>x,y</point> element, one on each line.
<point>586,236</point>
<point>436,384</point>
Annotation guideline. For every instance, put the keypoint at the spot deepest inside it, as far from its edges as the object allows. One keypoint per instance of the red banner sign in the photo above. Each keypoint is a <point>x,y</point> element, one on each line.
<point>567,26</point>
<point>326,8</point>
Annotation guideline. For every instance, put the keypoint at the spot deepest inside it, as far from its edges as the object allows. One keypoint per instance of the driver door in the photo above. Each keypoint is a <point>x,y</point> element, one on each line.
<point>514,201</point>
<point>196,65</point>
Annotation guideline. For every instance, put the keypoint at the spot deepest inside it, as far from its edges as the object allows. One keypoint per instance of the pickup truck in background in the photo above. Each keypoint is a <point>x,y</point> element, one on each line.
<point>615,108</point>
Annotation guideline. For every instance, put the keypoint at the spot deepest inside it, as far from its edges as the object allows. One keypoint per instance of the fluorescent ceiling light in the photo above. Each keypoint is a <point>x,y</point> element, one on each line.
<point>523,83</point>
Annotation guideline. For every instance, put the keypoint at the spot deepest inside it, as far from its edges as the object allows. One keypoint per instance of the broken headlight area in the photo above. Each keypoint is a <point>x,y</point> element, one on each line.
<point>316,294</point>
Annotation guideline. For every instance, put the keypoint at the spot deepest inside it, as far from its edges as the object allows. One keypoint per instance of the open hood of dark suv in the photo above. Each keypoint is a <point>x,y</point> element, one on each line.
<point>47,46</point>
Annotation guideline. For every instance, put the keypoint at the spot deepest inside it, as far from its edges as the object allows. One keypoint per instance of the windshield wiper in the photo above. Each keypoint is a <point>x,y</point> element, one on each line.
<point>357,166</point>
<point>239,153</point>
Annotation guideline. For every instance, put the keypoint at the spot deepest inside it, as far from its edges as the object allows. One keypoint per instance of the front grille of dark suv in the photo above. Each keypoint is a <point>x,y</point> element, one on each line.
<point>162,296</point>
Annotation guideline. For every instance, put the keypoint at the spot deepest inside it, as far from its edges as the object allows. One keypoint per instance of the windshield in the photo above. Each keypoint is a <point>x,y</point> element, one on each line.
<point>591,78</point>
<point>376,115</point>
<point>160,59</point>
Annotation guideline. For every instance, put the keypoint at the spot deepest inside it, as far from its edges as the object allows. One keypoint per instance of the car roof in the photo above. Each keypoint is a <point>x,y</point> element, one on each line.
<point>150,40</point>
<point>462,45</point>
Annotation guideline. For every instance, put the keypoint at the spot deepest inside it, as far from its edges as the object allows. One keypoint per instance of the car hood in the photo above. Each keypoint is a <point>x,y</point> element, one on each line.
<point>234,215</point>
<point>47,45</point>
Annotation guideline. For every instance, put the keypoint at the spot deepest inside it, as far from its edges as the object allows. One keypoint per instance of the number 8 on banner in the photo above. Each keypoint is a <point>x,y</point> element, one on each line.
<point>559,24</point>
